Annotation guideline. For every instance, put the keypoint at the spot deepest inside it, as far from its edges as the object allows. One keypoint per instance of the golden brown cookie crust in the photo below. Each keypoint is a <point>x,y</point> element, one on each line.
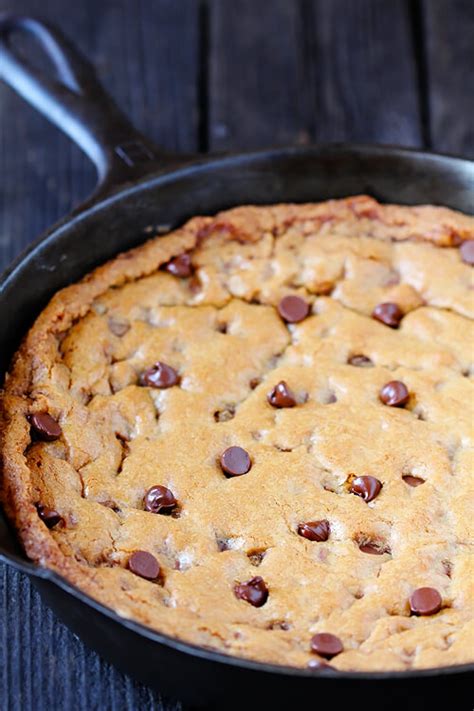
<point>221,331</point>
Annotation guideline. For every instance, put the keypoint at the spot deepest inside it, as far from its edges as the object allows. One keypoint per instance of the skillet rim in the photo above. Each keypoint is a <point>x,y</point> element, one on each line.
<point>178,167</point>
<point>214,656</point>
<point>173,170</point>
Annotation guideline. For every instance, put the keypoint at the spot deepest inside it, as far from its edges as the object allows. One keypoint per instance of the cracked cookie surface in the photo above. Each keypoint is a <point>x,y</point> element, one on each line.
<point>156,365</point>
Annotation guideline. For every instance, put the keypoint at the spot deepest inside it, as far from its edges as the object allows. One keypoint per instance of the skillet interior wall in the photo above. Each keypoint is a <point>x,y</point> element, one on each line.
<point>160,203</point>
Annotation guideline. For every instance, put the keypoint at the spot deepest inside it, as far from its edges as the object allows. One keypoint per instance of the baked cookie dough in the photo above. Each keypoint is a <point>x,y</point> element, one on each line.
<point>254,434</point>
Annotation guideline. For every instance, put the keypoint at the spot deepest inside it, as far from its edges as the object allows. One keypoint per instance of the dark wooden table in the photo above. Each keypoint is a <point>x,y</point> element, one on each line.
<point>214,76</point>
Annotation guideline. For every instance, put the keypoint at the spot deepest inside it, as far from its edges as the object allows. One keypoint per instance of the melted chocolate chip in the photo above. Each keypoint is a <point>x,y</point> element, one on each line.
<point>326,645</point>
<point>368,487</point>
<point>44,426</point>
<point>222,327</point>
<point>281,396</point>
<point>254,591</point>
<point>180,266</point>
<point>314,530</point>
<point>395,394</point>
<point>293,309</point>
<point>466,250</point>
<point>447,568</point>
<point>111,505</point>
<point>118,327</point>
<point>412,480</point>
<point>235,461</point>
<point>425,601</point>
<point>50,517</point>
<point>158,498</point>
<point>360,361</point>
<point>279,625</point>
<point>160,376</point>
<point>226,414</point>
<point>194,284</point>
<point>223,544</point>
<point>388,313</point>
<point>256,556</point>
<point>371,548</point>
<point>144,564</point>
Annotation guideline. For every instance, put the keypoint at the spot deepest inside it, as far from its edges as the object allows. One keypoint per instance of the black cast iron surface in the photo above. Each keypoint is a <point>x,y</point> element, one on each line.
<point>214,76</point>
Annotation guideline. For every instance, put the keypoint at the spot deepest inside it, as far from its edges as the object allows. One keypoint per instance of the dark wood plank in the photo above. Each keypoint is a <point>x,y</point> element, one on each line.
<point>44,666</point>
<point>449,64</point>
<point>361,69</point>
<point>312,70</point>
<point>255,74</point>
<point>134,46</point>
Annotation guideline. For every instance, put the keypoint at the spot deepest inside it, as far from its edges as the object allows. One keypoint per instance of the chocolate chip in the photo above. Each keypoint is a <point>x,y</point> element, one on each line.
<point>368,487</point>
<point>254,591</point>
<point>281,396</point>
<point>389,314</point>
<point>180,266</point>
<point>425,601</point>
<point>314,530</point>
<point>144,564</point>
<point>412,480</point>
<point>235,461</point>
<point>44,426</point>
<point>395,393</point>
<point>50,517</point>
<point>360,361</point>
<point>371,548</point>
<point>195,284</point>
<point>326,645</point>
<point>466,250</point>
<point>317,665</point>
<point>159,375</point>
<point>293,309</point>
<point>158,498</point>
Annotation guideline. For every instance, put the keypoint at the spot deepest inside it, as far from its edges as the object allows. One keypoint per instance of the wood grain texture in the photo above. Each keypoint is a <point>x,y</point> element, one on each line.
<point>362,75</point>
<point>255,74</point>
<point>133,45</point>
<point>312,71</point>
<point>449,66</point>
<point>221,74</point>
<point>44,666</point>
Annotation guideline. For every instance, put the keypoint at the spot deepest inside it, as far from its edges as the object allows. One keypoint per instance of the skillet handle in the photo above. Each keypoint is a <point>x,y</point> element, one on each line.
<point>77,103</point>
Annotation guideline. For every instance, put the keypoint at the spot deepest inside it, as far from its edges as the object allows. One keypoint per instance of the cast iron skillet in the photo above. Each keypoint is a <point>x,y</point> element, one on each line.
<point>140,185</point>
